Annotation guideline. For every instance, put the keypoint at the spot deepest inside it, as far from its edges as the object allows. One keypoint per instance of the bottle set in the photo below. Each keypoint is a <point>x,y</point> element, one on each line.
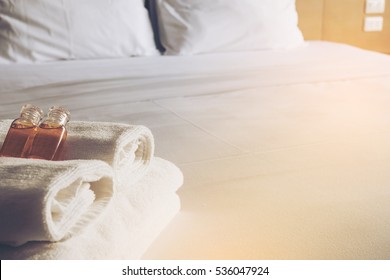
<point>34,136</point>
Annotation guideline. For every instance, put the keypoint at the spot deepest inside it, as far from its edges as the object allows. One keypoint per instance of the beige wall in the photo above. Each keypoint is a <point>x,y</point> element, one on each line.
<point>310,18</point>
<point>342,21</point>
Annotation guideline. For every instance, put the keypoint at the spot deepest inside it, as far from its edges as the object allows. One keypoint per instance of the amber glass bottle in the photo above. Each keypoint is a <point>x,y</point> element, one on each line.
<point>22,131</point>
<point>51,135</point>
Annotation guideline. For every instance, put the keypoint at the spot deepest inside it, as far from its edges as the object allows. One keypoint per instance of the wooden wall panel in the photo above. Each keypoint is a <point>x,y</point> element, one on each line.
<point>342,21</point>
<point>310,18</point>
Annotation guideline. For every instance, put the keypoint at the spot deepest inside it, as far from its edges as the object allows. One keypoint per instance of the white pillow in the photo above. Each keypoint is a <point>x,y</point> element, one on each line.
<point>202,26</point>
<point>44,30</point>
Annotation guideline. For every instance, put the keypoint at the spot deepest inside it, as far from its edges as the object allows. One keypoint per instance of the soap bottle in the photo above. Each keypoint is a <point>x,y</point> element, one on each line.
<point>51,135</point>
<point>21,132</point>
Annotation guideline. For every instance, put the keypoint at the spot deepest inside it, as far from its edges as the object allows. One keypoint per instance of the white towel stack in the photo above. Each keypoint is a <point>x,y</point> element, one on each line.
<point>69,201</point>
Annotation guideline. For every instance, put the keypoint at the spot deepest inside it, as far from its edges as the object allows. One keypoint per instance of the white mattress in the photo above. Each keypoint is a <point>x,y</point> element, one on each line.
<point>285,154</point>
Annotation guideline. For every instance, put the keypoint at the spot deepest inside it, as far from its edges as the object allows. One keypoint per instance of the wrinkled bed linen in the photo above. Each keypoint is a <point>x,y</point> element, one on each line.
<point>285,154</point>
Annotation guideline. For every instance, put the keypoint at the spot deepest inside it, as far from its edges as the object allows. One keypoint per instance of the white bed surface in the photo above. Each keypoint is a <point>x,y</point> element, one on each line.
<point>285,154</point>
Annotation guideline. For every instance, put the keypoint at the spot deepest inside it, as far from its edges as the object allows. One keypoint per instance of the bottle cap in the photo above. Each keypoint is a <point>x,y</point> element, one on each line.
<point>31,113</point>
<point>58,115</point>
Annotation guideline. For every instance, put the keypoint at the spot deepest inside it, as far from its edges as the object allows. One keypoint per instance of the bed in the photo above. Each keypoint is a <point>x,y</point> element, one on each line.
<point>285,151</point>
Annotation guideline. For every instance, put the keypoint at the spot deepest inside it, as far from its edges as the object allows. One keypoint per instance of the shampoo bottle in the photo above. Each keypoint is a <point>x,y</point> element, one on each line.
<point>51,135</point>
<point>22,132</point>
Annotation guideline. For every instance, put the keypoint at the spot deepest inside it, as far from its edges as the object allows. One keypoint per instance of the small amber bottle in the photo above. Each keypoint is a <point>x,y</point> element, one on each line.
<point>21,132</point>
<point>51,135</point>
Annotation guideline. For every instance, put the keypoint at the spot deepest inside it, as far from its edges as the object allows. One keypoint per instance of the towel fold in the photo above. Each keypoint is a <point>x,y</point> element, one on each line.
<point>50,200</point>
<point>136,216</point>
<point>127,148</point>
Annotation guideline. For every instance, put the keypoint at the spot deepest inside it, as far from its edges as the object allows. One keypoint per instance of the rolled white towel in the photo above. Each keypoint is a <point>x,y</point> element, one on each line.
<point>136,216</point>
<point>50,200</point>
<point>127,148</point>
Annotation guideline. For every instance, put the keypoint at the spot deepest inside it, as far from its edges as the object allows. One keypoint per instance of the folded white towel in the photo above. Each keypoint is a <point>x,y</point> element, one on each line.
<point>127,148</point>
<point>132,221</point>
<point>50,200</point>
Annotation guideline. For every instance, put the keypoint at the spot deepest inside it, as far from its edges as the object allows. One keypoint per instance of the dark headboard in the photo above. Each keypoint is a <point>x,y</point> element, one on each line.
<point>151,6</point>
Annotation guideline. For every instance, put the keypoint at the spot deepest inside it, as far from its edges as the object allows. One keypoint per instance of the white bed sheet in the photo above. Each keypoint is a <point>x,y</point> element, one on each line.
<point>285,154</point>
